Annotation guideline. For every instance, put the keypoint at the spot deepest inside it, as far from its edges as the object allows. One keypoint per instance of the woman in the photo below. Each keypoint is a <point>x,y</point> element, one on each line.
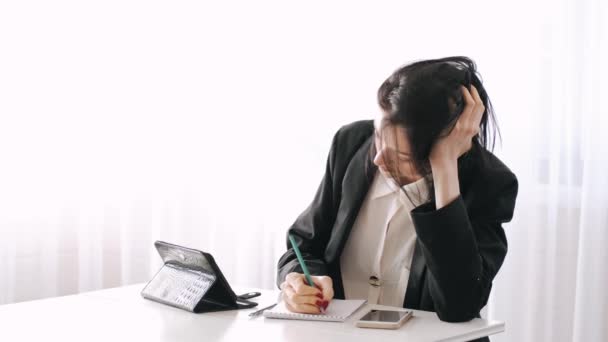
<point>410,209</point>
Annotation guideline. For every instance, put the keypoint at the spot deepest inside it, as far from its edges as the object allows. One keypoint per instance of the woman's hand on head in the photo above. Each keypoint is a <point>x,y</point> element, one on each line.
<point>449,148</point>
<point>300,297</point>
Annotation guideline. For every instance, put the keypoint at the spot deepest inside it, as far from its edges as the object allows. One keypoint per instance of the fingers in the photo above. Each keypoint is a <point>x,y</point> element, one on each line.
<point>296,280</point>
<point>479,108</point>
<point>304,308</point>
<point>307,303</point>
<point>473,111</point>
<point>468,100</point>
<point>299,295</point>
<point>326,285</point>
<point>292,297</point>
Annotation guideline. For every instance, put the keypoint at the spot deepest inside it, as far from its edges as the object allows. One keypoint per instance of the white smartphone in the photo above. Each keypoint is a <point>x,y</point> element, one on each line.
<point>384,319</point>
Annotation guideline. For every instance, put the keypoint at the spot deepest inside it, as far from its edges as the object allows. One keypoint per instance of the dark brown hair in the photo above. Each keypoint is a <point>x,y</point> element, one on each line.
<point>425,99</point>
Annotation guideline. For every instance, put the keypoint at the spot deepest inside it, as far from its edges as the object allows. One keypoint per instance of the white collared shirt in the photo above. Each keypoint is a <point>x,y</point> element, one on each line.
<point>382,241</point>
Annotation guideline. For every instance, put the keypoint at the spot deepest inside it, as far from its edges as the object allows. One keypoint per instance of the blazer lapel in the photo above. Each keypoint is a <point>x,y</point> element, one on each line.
<point>416,279</point>
<point>355,184</point>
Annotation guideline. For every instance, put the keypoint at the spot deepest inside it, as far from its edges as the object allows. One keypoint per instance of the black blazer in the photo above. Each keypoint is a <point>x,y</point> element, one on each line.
<point>459,247</point>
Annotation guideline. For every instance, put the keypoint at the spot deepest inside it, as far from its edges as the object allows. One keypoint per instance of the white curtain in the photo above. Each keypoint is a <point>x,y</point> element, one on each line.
<point>554,284</point>
<point>208,125</point>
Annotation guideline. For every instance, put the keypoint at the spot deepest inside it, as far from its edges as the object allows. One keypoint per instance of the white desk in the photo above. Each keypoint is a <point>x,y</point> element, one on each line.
<point>121,314</point>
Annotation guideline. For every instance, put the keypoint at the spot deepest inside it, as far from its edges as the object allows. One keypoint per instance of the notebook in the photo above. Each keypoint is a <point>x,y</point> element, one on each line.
<point>338,310</point>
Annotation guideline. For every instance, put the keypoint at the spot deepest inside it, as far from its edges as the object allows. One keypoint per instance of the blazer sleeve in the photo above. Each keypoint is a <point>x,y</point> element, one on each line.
<point>312,228</point>
<point>462,253</point>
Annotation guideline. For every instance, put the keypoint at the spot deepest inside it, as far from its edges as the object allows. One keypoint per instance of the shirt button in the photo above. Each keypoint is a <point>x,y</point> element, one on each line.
<point>374,281</point>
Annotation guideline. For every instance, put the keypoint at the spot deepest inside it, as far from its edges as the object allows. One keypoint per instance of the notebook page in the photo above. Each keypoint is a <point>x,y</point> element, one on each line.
<point>337,311</point>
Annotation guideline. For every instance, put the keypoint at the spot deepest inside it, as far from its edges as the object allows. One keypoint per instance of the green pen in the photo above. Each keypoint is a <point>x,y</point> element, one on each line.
<point>301,260</point>
<point>302,264</point>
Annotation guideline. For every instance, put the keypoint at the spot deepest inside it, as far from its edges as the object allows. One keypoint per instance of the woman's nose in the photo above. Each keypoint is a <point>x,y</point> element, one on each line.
<point>379,159</point>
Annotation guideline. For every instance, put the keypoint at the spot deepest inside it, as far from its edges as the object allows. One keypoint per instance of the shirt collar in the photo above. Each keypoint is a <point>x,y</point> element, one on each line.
<point>418,191</point>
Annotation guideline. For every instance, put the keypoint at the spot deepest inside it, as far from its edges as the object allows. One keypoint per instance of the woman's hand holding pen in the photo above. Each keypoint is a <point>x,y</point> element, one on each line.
<point>300,297</point>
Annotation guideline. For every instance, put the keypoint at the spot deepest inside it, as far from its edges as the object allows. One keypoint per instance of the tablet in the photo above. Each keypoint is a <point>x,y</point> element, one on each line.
<point>191,280</point>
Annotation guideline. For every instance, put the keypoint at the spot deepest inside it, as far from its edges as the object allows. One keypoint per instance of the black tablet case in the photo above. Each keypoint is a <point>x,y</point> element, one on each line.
<point>191,280</point>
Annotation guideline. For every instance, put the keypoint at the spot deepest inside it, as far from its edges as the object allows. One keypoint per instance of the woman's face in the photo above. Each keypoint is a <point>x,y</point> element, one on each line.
<point>393,153</point>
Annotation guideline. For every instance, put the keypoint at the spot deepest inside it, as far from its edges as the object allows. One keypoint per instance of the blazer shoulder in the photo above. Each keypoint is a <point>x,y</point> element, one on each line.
<point>354,134</point>
<point>347,142</point>
<point>357,130</point>
<point>492,175</point>
<point>490,188</point>
<point>494,167</point>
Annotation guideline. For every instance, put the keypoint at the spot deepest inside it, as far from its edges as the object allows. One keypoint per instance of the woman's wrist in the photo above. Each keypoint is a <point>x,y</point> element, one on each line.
<point>445,180</point>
